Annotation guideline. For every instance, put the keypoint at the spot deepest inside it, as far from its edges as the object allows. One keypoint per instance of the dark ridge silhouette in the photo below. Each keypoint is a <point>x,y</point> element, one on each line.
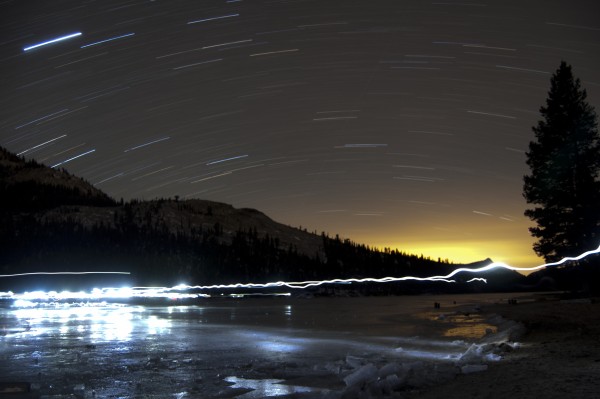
<point>28,185</point>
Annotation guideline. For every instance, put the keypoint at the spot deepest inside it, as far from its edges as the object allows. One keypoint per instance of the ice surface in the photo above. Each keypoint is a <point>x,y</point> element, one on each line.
<point>473,368</point>
<point>342,348</point>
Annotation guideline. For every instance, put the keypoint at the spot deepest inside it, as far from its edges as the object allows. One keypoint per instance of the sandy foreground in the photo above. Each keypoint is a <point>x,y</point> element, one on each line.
<point>559,357</point>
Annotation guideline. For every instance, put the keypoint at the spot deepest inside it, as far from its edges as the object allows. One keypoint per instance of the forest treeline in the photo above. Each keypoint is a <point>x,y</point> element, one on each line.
<point>53,221</point>
<point>156,256</point>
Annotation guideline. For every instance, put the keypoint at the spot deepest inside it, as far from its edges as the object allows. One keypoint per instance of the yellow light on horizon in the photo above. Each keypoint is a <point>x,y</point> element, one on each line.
<point>473,251</point>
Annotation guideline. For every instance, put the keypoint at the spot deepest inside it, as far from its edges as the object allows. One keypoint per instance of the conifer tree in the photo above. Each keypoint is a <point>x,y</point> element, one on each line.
<point>564,184</point>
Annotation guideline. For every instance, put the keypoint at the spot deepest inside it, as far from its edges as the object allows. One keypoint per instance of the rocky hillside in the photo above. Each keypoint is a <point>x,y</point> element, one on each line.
<point>28,185</point>
<point>55,196</point>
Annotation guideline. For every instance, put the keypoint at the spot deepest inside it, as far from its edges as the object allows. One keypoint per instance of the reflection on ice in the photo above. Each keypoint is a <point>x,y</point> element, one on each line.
<point>278,346</point>
<point>281,347</point>
<point>157,325</point>
<point>266,388</point>
<point>98,323</point>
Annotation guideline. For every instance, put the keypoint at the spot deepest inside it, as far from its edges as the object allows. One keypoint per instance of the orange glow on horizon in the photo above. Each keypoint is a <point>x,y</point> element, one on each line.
<point>466,252</point>
<point>515,250</point>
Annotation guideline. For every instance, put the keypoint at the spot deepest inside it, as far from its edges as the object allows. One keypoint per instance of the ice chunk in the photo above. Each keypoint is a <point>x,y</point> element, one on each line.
<point>492,357</point>
<point>361,376</point>
<point>418,374</point>
<point>508,330</point>
<point>354,362</point>
<point>390,368</point>
<point>444,371</point>
<point>393,382</point>
<point>473,368</point>
<point>473,354</point>
<point>335,368</point>
<point>79,390</point>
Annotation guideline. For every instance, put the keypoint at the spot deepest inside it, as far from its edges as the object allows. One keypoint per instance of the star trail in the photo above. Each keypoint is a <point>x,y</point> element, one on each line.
<point>397,124</point>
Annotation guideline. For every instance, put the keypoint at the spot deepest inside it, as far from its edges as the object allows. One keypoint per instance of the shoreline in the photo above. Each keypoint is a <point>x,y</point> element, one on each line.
<point>558,357</point>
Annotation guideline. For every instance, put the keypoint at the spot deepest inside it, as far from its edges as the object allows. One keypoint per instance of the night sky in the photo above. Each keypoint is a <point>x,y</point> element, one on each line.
<point>393,123</point>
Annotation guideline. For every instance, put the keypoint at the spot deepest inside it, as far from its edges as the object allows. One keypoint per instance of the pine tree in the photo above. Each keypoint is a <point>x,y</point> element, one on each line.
<point>564,184</point>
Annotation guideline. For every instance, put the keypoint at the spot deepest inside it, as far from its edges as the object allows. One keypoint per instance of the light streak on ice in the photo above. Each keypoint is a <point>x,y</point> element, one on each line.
<point>182,291</point>
<point>58,39</point>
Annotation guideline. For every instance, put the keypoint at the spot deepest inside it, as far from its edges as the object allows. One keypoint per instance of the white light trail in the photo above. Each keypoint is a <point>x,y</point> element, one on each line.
<point>476,279</point>
<point>108,40</point>
<point>179,291</point>
<point>522,69</point>
<point>153,172</point>
<point>211,177</point>
<point>489,47</point>
<point>227,159</point>
<point>491,114</point>
<point>39,145</point>
<point>42,118</point>
<point>58,273</point>
<point>446,278</point>
<point>496,265</point>
<point>335,118</point>
<point>197,63</point>
<point>274,52</point>
<point>366,145</point>
<point>109,178</point>
<point>146,144</point>
<point>226,44</point>
<point>58,39</point>
<point>213,18</point>
<point>70,159</point>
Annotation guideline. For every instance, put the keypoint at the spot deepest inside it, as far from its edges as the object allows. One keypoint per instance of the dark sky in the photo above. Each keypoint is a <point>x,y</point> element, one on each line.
<point>393,123</point>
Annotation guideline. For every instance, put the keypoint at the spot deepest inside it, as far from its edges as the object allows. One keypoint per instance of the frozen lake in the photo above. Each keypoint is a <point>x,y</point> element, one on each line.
<point>232,348</point>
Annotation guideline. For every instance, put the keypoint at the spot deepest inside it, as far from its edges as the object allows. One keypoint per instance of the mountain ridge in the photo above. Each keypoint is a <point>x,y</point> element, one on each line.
<point>57,221</point>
